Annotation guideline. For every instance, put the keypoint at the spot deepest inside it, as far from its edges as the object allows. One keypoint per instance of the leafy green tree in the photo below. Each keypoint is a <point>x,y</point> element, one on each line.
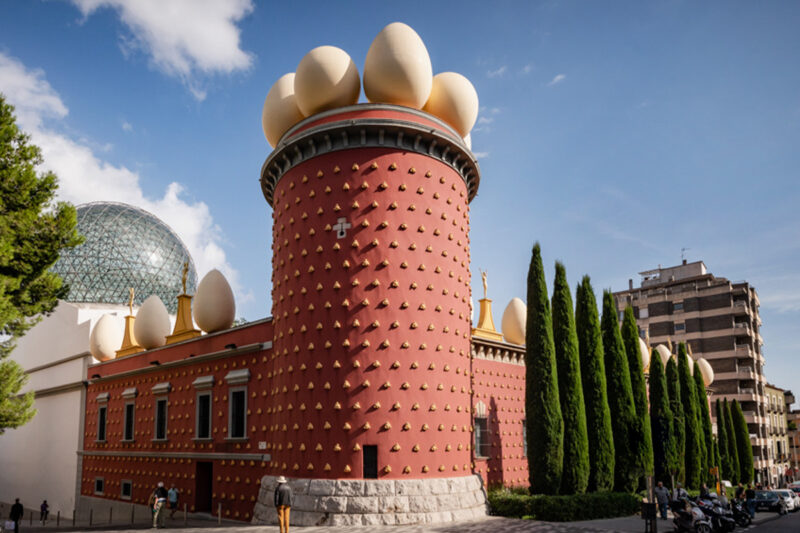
<point>693,450</point>
<point>705,423</point>
<point>661,421</point>
<point>620,399</point>
<point>743,446</point>
<point>733,451</point>
<point>678,467</point>
<point>717,461</point>
<point>643,440</point>
<point>545,426</point>
<point>34,228</point>
<point>575,475</point>
<point>593,378</point>
<point>727,471</point>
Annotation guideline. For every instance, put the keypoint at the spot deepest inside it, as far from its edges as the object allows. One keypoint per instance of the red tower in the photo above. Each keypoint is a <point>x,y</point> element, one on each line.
<point>369,375</point>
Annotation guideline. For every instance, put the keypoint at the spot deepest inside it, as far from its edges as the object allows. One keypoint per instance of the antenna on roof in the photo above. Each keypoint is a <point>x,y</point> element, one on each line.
<point>683,254</point>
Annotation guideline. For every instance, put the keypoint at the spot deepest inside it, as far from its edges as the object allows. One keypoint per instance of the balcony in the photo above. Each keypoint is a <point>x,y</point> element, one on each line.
<point>743,350</point>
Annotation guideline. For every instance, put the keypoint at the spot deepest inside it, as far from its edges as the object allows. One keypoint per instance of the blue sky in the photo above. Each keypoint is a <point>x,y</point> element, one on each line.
<point>615,133</point>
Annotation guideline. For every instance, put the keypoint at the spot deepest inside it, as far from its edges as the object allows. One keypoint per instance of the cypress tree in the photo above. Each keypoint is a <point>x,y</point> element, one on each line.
<point>661,421</point>
<point>733,452</point>
<point>717,461</point>
<point>620,399</point>
<point>545,427</point>
<point>575,475</point>
<point>678,423</point>
<point>722,446</point>
<point>693,448</point>
<point>593,378</point>
<point>643,441</point>
<point>743,445</point>
<point>705,422</point>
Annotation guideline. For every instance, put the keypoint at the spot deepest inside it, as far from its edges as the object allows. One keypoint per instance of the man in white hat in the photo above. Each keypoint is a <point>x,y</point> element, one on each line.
<point>283,503</point>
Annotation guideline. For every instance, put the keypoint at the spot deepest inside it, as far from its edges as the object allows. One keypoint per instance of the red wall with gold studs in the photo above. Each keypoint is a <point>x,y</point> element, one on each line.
<point>371,330</point>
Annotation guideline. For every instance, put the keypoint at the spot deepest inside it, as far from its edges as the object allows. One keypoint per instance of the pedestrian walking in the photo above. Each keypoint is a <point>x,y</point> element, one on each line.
<point>680,492</point>
<point>44,510</point>
<point>750,495</point>
<point>159,508</point>
<point>17,512</point>
<point>662,498</point>
<point>283,503</point>
<point>172,499</point>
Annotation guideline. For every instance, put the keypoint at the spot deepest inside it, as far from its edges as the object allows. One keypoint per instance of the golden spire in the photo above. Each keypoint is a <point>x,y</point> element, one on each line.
<point>184,327</point>
<point>184,275</point>
<point>130,300</point>
<point>129,345</point>
<point>485,327</point>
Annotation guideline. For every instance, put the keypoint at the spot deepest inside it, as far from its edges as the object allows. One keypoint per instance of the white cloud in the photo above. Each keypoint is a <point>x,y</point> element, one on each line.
<point>527,69</point>
<point>480,155</point>
<point>126,126</point>
<point>558,79</point>
<point>182,38</point>
<point>84,177</point>
<point>497,72</point>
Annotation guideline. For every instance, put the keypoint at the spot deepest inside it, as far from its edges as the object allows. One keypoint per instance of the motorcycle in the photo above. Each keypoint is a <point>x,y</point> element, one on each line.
<point>740,513</point>
<point>689,518</point>
<point>721,519</point>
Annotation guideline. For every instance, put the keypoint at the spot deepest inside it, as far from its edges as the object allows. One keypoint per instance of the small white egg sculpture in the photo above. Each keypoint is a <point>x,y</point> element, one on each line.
<point>326,78</point>
<point>689,361</point>
<point>663,353</point>
<point>645,354</point>
<point>398,68</point>
<point>513,323</point>
<point>468,140</point>
<point>152,324</point>
<point>214,307</point>
<point>280,109</point>
<point>706,371</point>
<point>106,338</point>
<point>454,100</point>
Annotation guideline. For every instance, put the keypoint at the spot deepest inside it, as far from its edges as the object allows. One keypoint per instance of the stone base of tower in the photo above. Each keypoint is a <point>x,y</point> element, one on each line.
<point>358,502</point>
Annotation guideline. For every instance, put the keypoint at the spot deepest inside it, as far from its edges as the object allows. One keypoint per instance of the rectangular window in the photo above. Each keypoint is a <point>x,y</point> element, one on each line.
<point>129,412</point>
<point>677,306</point>
<point>370,461</point>
<point>126,489</point>
<point>99,485</point>
<point>680,327</point>
<point>481,437</point>
<point>203,430</point>
<point>161,419</point>
<point>237,414</point>
<point>101,423</point>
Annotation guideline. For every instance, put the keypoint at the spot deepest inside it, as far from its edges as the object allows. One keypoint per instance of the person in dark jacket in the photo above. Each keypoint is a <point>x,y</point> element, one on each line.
<point>662,498</point>
<point>750,494</point>
<point>44,510</point>
<point>283,503</point>
<point>160,507</point>
<point>16,514</point>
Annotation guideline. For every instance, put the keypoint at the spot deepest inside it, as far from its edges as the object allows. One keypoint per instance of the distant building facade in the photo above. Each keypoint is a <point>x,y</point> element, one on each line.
<point>777,438</point>
<point>719,320</point>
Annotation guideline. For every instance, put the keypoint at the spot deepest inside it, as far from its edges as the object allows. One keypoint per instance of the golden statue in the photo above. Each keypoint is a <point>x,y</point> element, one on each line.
<point>184,275</point>
<point>130,300</point>
<point>485,283</point>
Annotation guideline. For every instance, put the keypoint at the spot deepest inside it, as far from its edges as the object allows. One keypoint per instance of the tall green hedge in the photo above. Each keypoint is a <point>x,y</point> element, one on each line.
<point>726,469</point>
<point>743,446</point>
<point>693,449</point>
<point>705,424</point>
<point>575,475</point>
<point>620,399</point>
<point>678,467</point>
<point>545,427</point>
<point>593,378</point>
<point>589,506</point>
<point>733,450</point>
<point>661,421</point>
<point>643,439</point>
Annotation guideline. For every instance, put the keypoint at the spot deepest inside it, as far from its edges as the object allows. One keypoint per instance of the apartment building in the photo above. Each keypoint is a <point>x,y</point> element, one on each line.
<point>719,320</point>
<point>792,436</point>
<point>777,439</point>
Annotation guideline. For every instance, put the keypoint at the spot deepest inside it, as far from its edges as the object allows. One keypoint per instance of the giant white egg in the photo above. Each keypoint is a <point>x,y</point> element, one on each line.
<point>645,354</point>
<point>326,78</point>
<point>689,361</point>
<point>398,68</point>
<point>106,338</point>
<point>280,109</point>
<point>214,305</point>
<point>513,323</point>
<point>706,371</point>
<point>152,324</point>
<point>664,354</point>
<point>468,140</point>
<point>454,100</point>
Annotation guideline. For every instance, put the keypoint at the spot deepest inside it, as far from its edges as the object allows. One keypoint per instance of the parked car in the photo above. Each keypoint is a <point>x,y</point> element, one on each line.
<point>788,497</point>
<point>795,493</point>
<point>768,500</point>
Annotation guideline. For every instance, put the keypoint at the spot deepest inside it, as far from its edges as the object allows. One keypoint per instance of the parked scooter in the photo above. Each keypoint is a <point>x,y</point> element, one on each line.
<point>721,519</point>
<point>740,513</point>
<point>689,518</point>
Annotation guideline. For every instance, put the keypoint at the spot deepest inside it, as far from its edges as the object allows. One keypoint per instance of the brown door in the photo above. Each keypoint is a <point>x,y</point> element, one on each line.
<point>204,478</point>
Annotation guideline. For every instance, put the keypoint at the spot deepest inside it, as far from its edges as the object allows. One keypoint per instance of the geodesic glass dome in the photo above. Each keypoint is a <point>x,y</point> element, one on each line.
<point>125,247</point>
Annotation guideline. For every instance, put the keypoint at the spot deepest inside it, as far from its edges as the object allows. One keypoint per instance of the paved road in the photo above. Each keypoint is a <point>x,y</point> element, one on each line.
<point>784,524</point>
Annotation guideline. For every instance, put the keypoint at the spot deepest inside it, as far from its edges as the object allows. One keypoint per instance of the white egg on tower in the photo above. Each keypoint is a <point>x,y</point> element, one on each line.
<point>152,324</point>
<point>664,354</point>
<point>645,354</point>
<point>513,322</point>
<point>214,307</point>
<point>398,68</point>
<point>706,371</point>
<point>326,78</point>
<point>468,140</point>
<point>106,338</point>
<point>454,100</point>
<point>280,110</point>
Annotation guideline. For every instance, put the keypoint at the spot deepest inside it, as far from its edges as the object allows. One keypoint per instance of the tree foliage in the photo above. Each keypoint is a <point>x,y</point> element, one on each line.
<point>15,409</point>
<point>726,468</point>
<point>575,475</point>
<point>620,399</point>
<point>643,440</point>
<point>743,446</point>
<point>661,421</point>
<point>678,465</point>
<point>704,416</point>
<point>595,395</point>
<point>545,427</point>
<point>693,450</point>
<point>733,451</point>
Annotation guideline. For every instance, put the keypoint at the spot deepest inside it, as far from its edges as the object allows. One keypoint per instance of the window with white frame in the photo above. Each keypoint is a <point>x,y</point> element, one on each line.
<point>237,403</point>
<point>99,485</point>
<point>160,391</point>
<point>126,489</point>
<point>102,414</point>
<point>202,428</point>
<point>481,425</point>
<point>130,411</point>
